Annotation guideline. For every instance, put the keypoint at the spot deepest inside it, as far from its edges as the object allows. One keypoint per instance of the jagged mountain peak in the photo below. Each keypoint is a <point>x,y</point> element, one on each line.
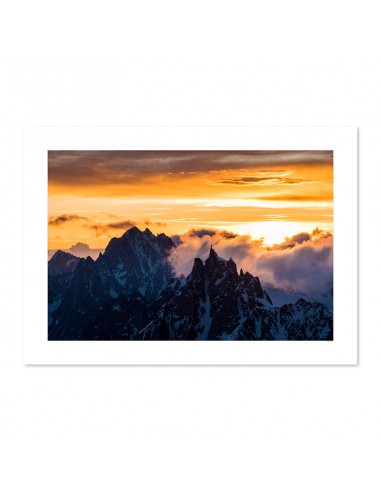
<point>213,260</point>
<point>213,254</point>
<point>134,243</point>
<point>130,292</point>
<point>132,231</point>
<point>149,234</point>
<point>62,263</point>
<point>85,263</point>
<point>215,268</point>
<point>60,255</point>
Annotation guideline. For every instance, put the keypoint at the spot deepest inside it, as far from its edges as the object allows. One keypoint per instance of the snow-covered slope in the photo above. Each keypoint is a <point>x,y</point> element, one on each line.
<point>130,293</point>
<point>217,303</point>
<point>280,297</point>
<point>136,263</point>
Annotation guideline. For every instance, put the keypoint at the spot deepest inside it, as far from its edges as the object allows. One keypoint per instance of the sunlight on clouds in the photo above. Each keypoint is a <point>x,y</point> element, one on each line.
<point>275,232</point>
<point>270,194</point>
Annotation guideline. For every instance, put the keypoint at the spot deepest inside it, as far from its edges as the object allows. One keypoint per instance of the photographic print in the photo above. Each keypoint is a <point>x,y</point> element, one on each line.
<point>190,245</point>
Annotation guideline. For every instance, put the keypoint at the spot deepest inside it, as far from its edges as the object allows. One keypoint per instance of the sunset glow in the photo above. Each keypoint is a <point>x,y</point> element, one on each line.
<point>96,195</point>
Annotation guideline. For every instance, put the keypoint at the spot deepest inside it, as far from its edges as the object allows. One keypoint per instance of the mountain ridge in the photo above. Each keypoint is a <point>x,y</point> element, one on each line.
<point>130,292</point>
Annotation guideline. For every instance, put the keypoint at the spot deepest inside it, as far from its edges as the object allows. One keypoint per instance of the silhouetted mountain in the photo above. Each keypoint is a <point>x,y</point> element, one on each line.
<point>62,263</point>
<point>131,293</point>
<point>81,301</point>
<point>136,263</point>
<point>215,303</point>
<point>60,273</point>
<point>121,318</point>
<point>212,303</point>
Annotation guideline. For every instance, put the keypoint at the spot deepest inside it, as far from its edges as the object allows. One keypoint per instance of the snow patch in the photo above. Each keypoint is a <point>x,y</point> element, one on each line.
<point>113,294</point>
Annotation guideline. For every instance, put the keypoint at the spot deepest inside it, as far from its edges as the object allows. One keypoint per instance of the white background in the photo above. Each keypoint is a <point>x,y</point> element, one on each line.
<point>189,428</point>
<point>38,140</point>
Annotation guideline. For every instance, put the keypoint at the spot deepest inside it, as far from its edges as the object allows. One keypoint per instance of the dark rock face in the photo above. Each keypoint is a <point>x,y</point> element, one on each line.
<point>131,293</point>
<point>120,319</point>
<point>213,303</point>
<point>136,263</point>
<point>62,263</point>
<point>81,301</point>
<point>307,321</point>
<point>61,267</point>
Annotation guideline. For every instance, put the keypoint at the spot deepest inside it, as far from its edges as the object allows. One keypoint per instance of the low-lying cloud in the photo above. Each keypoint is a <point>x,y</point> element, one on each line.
<point>302,263</point>
<point>81,250</point>
<point>307,267</point>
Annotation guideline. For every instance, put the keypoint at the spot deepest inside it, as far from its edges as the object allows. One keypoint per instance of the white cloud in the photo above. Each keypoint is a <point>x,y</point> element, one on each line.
<point>304,263</point>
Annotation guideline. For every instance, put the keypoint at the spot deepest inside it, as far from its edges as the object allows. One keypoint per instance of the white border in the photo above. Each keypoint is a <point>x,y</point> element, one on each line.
<point>37,142</point>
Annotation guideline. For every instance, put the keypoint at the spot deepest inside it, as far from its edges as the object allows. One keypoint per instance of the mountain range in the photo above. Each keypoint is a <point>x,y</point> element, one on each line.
<point>130,292</point>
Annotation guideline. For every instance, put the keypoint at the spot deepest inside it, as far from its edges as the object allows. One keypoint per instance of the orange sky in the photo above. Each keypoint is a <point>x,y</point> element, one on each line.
<point>96,195</point>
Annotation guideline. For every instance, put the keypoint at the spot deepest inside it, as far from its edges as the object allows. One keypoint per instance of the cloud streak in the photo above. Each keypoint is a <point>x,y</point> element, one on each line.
<point>258,181</point>
<point>63,219</point>
<point>78,168</point>
<point>102,229</point>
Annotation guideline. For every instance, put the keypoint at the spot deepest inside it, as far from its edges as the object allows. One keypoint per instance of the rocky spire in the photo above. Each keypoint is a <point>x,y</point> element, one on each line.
<point>198,267</point>
<point>212,261</point>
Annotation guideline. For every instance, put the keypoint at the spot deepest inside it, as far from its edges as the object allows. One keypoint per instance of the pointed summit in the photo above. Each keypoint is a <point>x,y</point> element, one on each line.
<point>132,231</point>
<point>212,252</point>
<point>58,254</point>
<point>62,256</point>
<point>212,261</point>
<point>149,234</point>
<point>62,263</point>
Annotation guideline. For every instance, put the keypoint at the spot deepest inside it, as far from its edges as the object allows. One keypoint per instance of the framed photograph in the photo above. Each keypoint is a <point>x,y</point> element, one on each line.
<point>190,245</point>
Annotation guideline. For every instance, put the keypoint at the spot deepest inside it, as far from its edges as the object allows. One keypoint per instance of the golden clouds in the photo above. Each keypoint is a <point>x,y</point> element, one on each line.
<point>183,189</point>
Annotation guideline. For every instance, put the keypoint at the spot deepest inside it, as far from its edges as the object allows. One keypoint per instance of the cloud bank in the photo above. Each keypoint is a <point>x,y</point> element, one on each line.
<point>302,263</point>
<point>103,167</point>
<point>81,250</point>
